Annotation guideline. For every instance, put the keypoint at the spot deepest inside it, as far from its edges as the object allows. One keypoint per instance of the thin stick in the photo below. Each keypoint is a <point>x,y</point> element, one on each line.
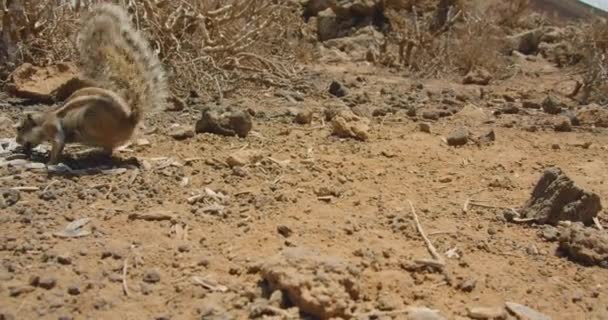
<point>125,288</point>
<point>597,223</point>
<point>49,186</point>
<point>427,241</point>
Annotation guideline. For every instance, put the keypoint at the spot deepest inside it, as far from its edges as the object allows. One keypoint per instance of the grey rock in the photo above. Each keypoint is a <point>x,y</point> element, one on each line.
<point>556,198</point>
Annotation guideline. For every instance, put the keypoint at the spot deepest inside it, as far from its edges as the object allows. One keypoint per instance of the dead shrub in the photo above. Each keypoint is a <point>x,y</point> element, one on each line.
<point>215,46</point>
<point>462,40</point>
<point>592,42</point>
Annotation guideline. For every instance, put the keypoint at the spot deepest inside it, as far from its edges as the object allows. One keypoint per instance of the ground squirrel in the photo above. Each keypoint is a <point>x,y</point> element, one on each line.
<point>128,78</point>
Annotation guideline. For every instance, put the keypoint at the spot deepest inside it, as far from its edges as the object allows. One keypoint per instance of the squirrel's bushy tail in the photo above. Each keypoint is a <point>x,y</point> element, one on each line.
<point>117,57</point>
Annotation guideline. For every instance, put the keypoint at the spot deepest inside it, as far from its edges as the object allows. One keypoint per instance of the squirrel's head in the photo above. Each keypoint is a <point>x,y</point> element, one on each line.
<point>29,130</point>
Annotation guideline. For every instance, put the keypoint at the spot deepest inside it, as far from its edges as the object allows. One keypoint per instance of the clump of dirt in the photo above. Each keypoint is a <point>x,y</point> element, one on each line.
<point>585,245</point>
<point>224,122</point>
<point>556,198</point>
<point>322,286</point>
<point>346,124</point>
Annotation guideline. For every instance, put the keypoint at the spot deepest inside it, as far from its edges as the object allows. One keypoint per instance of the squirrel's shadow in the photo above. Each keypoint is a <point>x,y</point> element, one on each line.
<point>89,163</point>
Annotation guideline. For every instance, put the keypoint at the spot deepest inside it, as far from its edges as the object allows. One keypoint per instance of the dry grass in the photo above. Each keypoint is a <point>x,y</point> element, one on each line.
<point>207,45</point>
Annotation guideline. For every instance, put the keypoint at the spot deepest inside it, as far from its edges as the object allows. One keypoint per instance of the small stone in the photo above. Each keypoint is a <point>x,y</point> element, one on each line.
<point>483,313</point>
<point>65,318</point>
<point>276,298</point>
<point>411,112</point>
<point>487,138</point>
<point>151,276</point>
<point>47,283</point>
<point>478,76</point>
<point>145,289</point>
<point>531,104</point>
<point>48,195</point>
<point>445,179</point>
<point>563,124</point>
<point>73,290</point>
<point>34,280</point>
<point>552,105</point>
<point>509,108</point>
<point>467,285</point>
<point>390,301</point>
<point>6,316</point>
<point>523,312</point>
<point>430,115</point>
<point>183,248</point>
<point>555,146</point>
<point>64,259</point>
<point>458,137</point>
<point>243,157</point>
<point>162,317</point>
<point>424,127</point>
<point>337,89</point>
<point>550,233</point>
<point>19,290</point>
<point>9,198</point>
<point>303,117</point>
<point>181,133</point>
<point>203,262</point>
<point>285,231</point>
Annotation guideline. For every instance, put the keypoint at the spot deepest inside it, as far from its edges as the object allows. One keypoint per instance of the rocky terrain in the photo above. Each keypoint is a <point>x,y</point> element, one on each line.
<point>364,192</point>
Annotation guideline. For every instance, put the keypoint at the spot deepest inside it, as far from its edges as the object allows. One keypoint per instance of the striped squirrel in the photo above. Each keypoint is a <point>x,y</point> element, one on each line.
<point>128,79</point>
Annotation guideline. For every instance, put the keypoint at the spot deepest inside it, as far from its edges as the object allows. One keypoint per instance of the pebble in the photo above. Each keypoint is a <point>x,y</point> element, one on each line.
<point>64,259</point>
<point>285,231</point>
<point>73,290</point>
<point>550,233</point>
<point>151,276</point>
<point>7,316</point>
<point>182,133</point>
<point>467,285</point>
<point>483,313</point>
<point>48,195</point>
<point>430,115</point>
<point>424,127</point>
<point>47,282</point>
<point>523,312</point>
<point>458,137</point>
<point>531,104</point>
<point>303,117</point>
<point>337,89</point>
<point>563,124</point>
<point>19,290</point>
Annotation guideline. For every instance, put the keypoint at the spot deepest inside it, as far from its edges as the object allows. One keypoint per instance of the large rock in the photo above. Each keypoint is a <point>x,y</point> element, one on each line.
<point>45,84</point>
<point>321,286</point>
<point>556,198</point>
<point>587,246</point>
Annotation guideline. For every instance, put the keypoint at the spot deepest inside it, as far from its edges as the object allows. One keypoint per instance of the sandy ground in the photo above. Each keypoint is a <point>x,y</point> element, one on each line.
<point>344,198</point>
